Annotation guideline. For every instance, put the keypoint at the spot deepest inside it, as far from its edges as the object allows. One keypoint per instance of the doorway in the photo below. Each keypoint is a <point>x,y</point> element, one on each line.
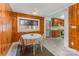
<point>48,29</point>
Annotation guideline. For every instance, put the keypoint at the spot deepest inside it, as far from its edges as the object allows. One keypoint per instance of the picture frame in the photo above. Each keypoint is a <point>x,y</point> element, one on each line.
<point>28,24</point>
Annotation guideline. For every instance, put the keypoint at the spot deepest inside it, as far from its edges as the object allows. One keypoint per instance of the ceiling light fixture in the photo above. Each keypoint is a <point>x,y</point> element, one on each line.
<point>35,11</point>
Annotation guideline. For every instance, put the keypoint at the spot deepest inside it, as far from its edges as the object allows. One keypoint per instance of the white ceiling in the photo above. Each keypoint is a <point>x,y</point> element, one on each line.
<point>44,9</point>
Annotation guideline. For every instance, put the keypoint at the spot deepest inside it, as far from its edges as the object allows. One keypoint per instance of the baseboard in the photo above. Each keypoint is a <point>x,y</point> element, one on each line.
<point>11,48</point>
<point>72,50</point>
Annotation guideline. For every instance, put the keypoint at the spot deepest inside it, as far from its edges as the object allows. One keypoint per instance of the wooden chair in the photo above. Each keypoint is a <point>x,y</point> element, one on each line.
<point>23,44</point>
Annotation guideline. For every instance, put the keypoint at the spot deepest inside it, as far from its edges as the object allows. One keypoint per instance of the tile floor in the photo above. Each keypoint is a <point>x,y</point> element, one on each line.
<point>54,45</point>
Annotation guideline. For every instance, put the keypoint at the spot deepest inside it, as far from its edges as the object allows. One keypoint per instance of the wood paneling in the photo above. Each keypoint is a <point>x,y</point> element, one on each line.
<point>5,28</point>
<point>74,22</point>
<point>17,34</point>
<point>8,23</point>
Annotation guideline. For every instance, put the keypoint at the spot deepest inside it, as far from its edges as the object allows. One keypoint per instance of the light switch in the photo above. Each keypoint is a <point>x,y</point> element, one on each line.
<point>0,28</point>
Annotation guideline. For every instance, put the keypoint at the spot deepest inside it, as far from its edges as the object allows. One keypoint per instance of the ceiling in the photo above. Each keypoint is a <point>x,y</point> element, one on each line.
<point>44,9</point>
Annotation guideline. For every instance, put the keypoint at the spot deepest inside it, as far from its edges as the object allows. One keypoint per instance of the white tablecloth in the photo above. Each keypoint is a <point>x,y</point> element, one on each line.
<point>36,37</point>
<point>31,36</point>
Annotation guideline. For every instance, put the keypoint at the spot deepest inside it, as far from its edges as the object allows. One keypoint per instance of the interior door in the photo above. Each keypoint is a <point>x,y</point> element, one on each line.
<point>73,27</point>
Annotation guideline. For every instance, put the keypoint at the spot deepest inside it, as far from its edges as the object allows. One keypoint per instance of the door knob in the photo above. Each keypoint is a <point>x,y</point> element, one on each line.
<point>72,43</point>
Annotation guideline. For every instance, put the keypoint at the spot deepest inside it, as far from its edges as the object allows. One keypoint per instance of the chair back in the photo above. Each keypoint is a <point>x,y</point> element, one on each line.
<point>21,41</point>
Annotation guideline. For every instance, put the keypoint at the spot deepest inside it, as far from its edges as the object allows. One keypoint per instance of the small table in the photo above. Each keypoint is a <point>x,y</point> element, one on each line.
<point>37,37</point>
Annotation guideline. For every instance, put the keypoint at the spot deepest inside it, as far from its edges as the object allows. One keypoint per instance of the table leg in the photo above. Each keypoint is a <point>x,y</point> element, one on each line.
<point>33,49</point>
<point>41,45</point>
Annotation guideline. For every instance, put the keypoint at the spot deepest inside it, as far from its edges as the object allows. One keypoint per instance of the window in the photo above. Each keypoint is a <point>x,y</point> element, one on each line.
<point>28,25</point>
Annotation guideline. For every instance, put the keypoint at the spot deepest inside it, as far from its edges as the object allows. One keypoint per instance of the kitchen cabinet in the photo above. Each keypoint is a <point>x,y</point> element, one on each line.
<point>56,27</point>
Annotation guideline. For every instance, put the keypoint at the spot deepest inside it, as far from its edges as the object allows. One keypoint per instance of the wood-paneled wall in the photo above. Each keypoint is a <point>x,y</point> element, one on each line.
<point>8,27</point>
<point>74,26</point>
<point>16,34</point>
<point>5,28</point>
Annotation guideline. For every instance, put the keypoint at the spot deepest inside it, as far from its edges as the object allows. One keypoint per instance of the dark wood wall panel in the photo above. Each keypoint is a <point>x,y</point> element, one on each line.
<point>8,23</point>
<point>74,22</point>
<point>5,28</point>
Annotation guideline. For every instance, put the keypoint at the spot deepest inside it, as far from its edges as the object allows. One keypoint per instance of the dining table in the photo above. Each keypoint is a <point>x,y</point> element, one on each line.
<point>35,38</point>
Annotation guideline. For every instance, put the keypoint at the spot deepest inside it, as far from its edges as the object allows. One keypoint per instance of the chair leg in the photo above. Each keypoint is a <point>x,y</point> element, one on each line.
<point>22,50</point>
<point>20,47</point>
<point>41,46</point>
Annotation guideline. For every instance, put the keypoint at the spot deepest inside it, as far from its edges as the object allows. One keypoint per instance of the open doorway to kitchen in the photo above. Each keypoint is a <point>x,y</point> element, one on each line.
<point>57,28</point>
<point>55,43</point>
